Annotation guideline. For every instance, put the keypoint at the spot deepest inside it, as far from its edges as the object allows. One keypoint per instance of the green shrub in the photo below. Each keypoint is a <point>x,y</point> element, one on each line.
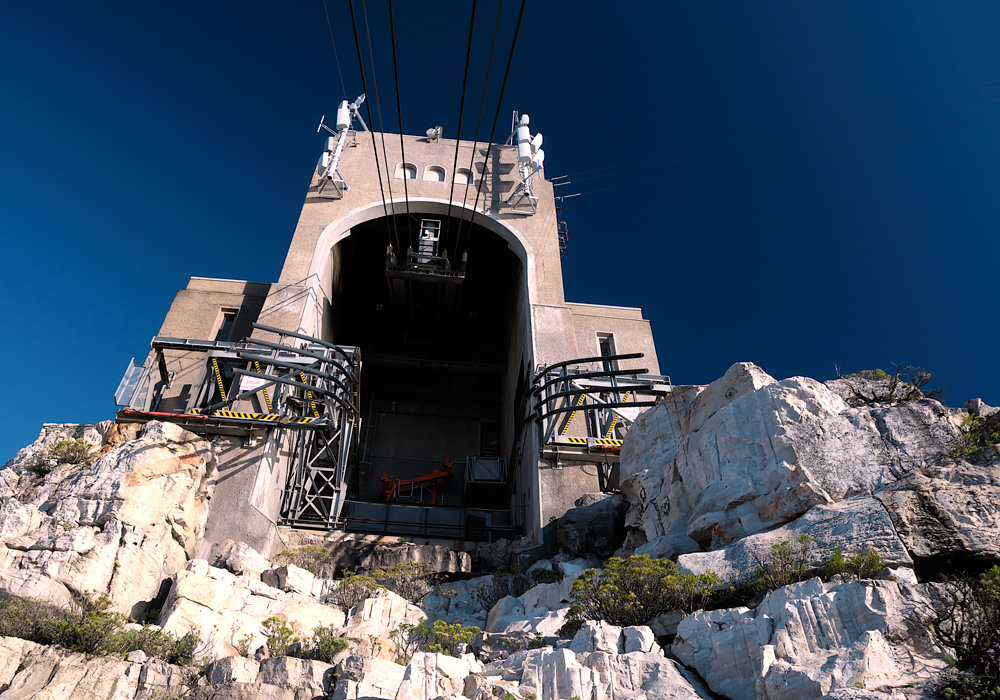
<point>786,565</point>
<point>323,645</point>
<point>439,638</point>
<point>63,452</point>
<point>968,622</point>
<point>867,564</point>
<point>629,592</point>
<point>311,557</point>
<point>505,582</point>
<point>410,580</point>
<point>972,436</point>
<point>93,629</point>
<point>545,575</point>
<point>280,637</point>
<point>351,590</point>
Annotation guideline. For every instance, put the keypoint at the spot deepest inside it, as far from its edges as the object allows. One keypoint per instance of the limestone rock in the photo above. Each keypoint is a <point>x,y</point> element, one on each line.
<point>850,526</point>
<point>371,622</point>
<point>430,676</point>
<point>808,639</point>
<point>120,525</point>
<point>563,673</point>
<point>748,454</point>
<point>596,527</point>
<point>950,513</point>
<point>435,557</point>
<point>225,609</point>
<point>242,559</point>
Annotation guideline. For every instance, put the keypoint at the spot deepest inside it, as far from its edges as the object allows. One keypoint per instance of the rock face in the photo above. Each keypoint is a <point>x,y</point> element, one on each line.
<point>715,476</point>
<point>748,453</point>
<point>595,526</point>
<point>949,513</point>
<point>808,639</point>
<point>121,525</point>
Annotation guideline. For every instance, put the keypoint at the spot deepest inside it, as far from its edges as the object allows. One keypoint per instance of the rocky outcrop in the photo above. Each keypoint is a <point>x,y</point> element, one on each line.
<point>809,639</point>
<point>121,524</point>
<point>595,526</point>
<point>749,453</point>
<point>949,514</point>
<point>602,661</point>
<point>850,526</point>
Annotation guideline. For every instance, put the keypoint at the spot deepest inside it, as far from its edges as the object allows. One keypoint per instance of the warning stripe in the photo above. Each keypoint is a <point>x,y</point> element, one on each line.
<point>577,441</point>
<point>267,399</point>
<point>608,443</point>
<point>614,421</point>
<point>309,394</point>
<point>572,415</point>
<point>270,417</point>
<point>218,378</point>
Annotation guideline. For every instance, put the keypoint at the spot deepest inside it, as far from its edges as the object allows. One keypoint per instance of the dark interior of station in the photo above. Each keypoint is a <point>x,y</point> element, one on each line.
<point>434,332</point>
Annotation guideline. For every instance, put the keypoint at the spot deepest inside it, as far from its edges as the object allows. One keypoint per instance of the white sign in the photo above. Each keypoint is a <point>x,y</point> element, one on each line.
<point>628,413</point>
<point>251,383</point>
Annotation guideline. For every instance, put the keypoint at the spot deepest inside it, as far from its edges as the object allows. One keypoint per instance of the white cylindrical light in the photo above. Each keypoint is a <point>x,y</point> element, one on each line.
<point>343,116</point>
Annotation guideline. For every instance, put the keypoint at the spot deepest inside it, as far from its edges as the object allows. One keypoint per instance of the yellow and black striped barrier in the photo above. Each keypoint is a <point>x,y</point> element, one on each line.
<point>269,417</point>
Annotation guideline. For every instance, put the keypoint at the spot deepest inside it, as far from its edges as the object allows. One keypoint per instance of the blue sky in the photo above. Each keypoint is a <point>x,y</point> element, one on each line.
<point>800,185</point>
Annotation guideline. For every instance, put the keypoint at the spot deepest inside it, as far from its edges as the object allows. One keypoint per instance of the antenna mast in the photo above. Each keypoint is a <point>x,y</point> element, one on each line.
<point>332,184</point>
<point>530,158</point>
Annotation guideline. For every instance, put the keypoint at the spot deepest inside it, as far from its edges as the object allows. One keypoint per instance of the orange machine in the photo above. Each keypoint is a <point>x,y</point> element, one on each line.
<point>417,487</point>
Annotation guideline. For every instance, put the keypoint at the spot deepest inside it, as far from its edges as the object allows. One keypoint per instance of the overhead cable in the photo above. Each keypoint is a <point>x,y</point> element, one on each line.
<point>334,44</point>
<point>461,109</point>
<point>503,87</point>
<point>479,121</point>
<point>381,131</point>
<point>364,86</point>
<point>399,111</point>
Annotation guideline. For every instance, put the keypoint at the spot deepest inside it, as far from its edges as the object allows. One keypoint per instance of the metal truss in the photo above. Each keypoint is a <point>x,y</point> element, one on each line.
<point>607,399</point>
<point>303,387</point>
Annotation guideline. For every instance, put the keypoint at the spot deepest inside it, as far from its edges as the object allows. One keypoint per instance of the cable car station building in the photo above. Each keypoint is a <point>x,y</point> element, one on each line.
<point>415,370</point>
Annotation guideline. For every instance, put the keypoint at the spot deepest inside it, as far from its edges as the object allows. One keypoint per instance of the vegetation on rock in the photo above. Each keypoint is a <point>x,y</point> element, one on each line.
<point>969,623</point>
<point>94,629</point>
<point>322,645</point>
<point>906,383</point>
<point>439,638</point>
<point>973,435</point>
<point>63,452</point>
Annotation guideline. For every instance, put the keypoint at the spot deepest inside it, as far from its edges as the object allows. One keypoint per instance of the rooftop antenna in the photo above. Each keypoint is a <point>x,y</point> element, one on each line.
<point>332,184</point>
<point>530,158</point>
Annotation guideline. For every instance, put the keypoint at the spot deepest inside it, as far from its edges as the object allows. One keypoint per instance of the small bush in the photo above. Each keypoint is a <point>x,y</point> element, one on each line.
<point>324,645</point>
<point>63,452</point>
<point>351,590</point>
<point>860,566</point>
<point>969,623</point>
<point>786,565</point>
<point>505,582</point>
<point>545,575</point>
<point>312,557</point>
<point>410,580</point>
<point>94,629</point>
<point>872,386</point>
<point>973,435</point>
<point>630,592</point>
<point>439,638</point>
<point>280,637</point>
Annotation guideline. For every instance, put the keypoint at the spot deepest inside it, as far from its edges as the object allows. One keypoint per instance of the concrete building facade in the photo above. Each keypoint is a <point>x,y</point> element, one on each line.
<point>451,301</point>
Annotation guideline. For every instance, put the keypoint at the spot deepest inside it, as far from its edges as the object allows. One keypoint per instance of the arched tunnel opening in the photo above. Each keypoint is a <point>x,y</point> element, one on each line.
<point>437,307</point>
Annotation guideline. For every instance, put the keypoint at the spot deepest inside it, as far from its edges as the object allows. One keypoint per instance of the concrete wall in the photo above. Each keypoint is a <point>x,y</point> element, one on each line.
<point>545,328</point>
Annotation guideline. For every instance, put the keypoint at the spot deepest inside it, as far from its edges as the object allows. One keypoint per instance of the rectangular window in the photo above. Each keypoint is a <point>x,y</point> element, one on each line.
<point>226,329</point>
<point>606,344</point>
